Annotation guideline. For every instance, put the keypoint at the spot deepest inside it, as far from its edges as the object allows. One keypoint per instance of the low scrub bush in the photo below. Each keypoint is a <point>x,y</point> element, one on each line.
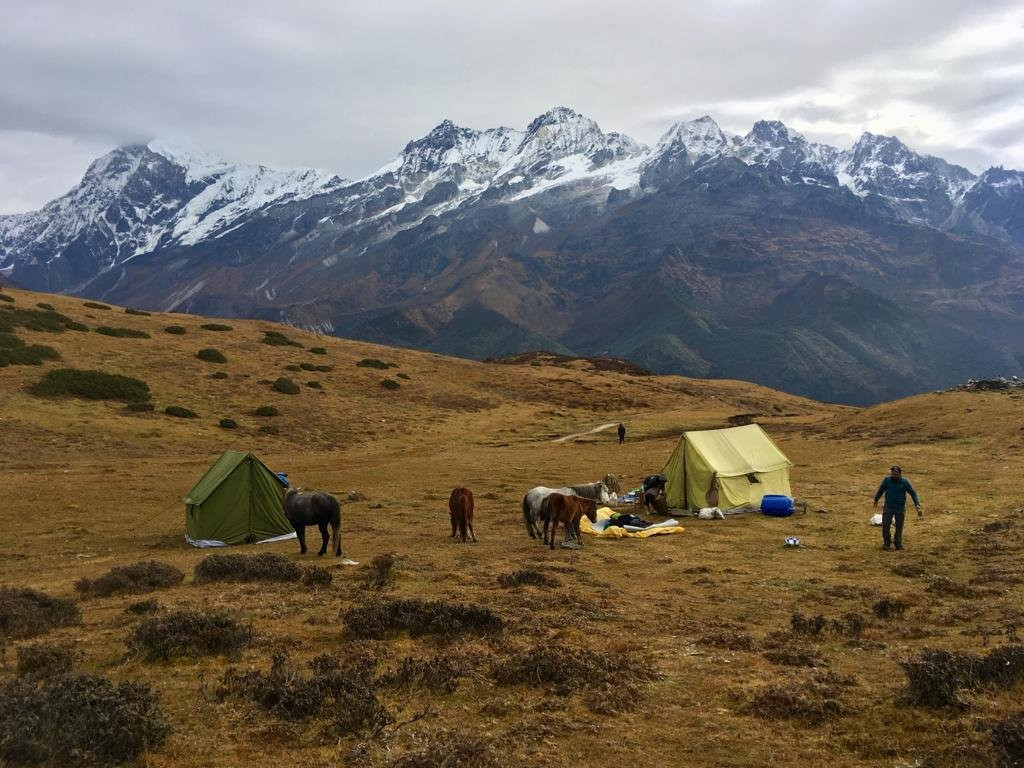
<point>267,410</point>
<point>446,749</point>
<point>228,424</point>
<point>46,306</point>
<point>294,367</point>
<point>139,312</point>
<point>122,333</point>
<point>37,320</point>
<point>390,384</point>
<point>132,579</point>
<point>140,407</point>
<point>439,673</point>
<point>314,385</point>
<point>211,355</point>
<point>381,617</point>
<point>1008,740</point>
<point>809,626</point>
<point>215,327</point>
<point>795,656</point>
<point>381,571</point>
<point>28,612</point>
<point>807,701</point>
<point>890,608</point>
<point>346,695</point>
<point>176,330</point>
<point>936,678</point>
<point>10,341</point>
<point>312,367</point>
<point>372,362</point>
<point>318,350</point>
<point>188,633</point>
<point>278,339</point>
<point>5,297</point>
<point>94,305</point>
<point>181,412</point>
<point>269,429</point>
<point>527,576</point>
<point>140,607</point>
<point>34,354</point>
<point>403,376</point>
<point>285,386</point>
<point>268,566</point>
<point>730,640</point>
<point>78,720</point>
<point>946,587</point>
<point>218,375</point>
<point>91,385</point>
<point>42,660</point>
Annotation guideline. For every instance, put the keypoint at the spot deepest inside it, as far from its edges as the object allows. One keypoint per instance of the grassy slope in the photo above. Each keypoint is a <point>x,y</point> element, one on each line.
<point>89,486</point>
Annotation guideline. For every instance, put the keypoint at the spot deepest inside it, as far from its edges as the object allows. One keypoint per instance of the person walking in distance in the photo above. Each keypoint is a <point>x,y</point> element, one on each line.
<point>895,488</point>
<point>622,433</point>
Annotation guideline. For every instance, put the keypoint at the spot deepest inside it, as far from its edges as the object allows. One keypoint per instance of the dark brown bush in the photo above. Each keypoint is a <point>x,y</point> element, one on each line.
<point>94,305</point>
<point>175,330</point>
<point>945,586</point>
<point>315,576</point>
<point>1008,740</point>
<point>140,312</point>
<point>730,640</point>
<point>188,633</point>
<point>936,678</point>
<point>795,656</point>
<point>380,617</point>
<point>268,566</point>
<point>267,410</point>
<point>181,412</point>
<point>446,749</point>
<point>210,355</point>
<point>122,333</point>
<point>215,327</point>
<point>269,429</point>
<point>39,660</point>
<point>285,386</point>
<point>372,362</point>
<point>439,673</point>
<point>91,385</point>
<point>28,612</point>
<point>809,626</point>
<point>314,385</point>
<point>804,700</point>
<point>228,424</point>
<point>78,720</point>
<point>527,576</point>
<point>347,695</point>
<point>381,571</point>
<point>219,375</point>
<point>278,339</point>
<point>132,579</point>
<point>318,350</point>
<point>140,407</point>
<point>150,605</point>
<point>890,608</point>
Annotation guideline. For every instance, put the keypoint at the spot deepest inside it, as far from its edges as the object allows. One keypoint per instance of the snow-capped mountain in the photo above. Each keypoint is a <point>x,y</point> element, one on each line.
<point>701,255</point>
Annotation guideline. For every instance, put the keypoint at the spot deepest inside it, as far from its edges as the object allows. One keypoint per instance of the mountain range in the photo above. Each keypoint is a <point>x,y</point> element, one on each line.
<point>850,275</point>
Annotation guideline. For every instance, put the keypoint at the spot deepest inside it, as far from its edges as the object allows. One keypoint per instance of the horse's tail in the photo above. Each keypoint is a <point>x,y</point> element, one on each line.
<point>336,527</point>
<point>528,517</point>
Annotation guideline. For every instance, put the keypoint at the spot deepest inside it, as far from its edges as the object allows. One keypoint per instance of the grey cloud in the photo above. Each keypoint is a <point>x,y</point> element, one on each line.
<point>344,86</point>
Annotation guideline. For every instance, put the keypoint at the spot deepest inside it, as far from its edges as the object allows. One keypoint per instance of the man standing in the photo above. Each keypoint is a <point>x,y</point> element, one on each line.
<point>895,487</point>
<point>622,433</point>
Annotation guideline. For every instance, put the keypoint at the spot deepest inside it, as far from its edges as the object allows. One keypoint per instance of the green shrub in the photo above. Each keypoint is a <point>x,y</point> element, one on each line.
<point>378,618</point>
<point>91,385</point>
<point>94,305</point>
<point>188,633</point>
<point>211,355</point>
<point>140,407</point>
<point>37,320</point>
<point>218,375</point>
<point>292,367</point>
<point>149,605</point>
<point>318,350</point>
<point>5,297</point>
<point>78,720</point>
<point>180,412</point>
<point>32,355</point>
<point>228,424</point>
<point>132,579</point>
<point>372,362</point>
<point>269,429</point>
<point>71,325</point>
<point>122,333</point>
<point>10,341</point>
<point>47,307</point>
<point>278,339</point>
<point>267,410</point>
<point>215,327</point>
<point>403,376</point>
<point>176,330</point>
<point>314,385</point>
<point>29,612</point>
<point>285,386</point>
<point>312,367</point>
<point>140,312</point>
<point>390,384</point>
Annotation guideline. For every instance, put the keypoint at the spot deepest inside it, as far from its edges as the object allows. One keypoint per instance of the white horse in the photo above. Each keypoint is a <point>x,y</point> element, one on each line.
<point>533,501</point>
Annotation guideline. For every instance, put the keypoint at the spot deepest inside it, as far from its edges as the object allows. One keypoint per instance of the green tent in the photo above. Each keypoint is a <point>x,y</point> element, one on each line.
<point>237,501</point>
<point>739,465</point>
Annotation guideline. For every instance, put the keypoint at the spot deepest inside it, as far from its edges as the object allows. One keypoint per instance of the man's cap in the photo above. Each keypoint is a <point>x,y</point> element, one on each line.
<point>895,468</point>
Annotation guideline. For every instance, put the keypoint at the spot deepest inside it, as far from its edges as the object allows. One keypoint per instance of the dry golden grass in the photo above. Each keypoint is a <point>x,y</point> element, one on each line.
<point>89,486</point>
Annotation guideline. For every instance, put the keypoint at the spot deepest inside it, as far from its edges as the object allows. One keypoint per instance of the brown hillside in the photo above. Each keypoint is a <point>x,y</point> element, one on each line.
<point>91,486</point>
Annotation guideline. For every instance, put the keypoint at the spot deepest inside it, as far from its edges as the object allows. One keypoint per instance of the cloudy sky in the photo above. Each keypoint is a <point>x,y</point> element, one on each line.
<point>344,85</point>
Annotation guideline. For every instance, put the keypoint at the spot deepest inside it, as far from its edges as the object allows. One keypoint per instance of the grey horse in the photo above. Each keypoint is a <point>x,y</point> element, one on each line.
<point>533,502</point>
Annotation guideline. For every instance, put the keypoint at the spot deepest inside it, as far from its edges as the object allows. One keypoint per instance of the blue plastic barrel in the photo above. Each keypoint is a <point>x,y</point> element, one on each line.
<point>776,505</point>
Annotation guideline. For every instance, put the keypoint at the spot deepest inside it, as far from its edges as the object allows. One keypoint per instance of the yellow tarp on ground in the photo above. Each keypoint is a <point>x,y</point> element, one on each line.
<point>741,462</point>
<point>617,532</point>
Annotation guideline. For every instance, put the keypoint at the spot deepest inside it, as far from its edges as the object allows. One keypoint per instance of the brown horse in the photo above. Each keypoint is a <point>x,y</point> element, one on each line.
<point>316,508</point>
<point>568,510</point>
<point>460,508</point>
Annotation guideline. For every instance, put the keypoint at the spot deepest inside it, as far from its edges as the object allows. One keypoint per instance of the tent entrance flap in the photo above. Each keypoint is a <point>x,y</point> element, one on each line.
<point>238,500</point>
<point>734,467</point>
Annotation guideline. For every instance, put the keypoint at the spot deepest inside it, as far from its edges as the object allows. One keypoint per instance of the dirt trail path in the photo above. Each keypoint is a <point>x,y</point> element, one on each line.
<point>602,428</point>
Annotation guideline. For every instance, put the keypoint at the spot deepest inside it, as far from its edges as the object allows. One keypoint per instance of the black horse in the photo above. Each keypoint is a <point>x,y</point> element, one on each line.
<point>315,508</point>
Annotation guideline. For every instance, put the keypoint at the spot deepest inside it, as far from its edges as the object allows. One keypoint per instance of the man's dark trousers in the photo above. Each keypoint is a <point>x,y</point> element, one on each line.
<point>888,515</point>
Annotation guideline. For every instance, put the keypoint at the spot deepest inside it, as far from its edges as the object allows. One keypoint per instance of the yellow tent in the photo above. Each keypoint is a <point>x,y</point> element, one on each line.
<point>738,465</point>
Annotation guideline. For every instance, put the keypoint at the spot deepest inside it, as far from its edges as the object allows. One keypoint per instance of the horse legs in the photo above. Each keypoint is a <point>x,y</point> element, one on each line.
<point>579,535</point>
<point>546,521</point>
<point>300,533</point>
<point>452,516</point>
<point>322,525</point>
<point>554,527</point>
<point>336,533</point>
<point>469,522</point>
